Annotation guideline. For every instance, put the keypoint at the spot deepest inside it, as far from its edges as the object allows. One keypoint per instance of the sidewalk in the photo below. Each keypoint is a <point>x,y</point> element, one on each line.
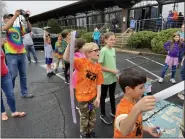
<point>139,51</point>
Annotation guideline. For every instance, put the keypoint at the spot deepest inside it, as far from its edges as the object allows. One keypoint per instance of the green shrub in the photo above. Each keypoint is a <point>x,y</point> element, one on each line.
<point>141,39</point>
<point>88,36</point>
<point>55,27</point>
<point>158,41</point>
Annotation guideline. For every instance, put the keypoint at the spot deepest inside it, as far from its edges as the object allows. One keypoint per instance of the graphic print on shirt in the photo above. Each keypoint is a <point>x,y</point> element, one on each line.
<point>139,128</point>
<point>90,75</point>
<point>14,42</point>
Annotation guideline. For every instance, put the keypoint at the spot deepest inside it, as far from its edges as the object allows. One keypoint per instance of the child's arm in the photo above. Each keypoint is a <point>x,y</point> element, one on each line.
<point>66,54</point>
<point>109,70</point>
<point>167,45</point>
<point>97,100</point>
<point>129,120</point>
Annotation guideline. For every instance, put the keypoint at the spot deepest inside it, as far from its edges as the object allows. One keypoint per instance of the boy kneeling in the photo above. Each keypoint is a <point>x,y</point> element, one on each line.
<point>128,120</point>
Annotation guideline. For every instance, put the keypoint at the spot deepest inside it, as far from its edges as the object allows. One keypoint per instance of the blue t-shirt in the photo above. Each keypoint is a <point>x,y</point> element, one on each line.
<point>132,23</point>
<point>96,35</point>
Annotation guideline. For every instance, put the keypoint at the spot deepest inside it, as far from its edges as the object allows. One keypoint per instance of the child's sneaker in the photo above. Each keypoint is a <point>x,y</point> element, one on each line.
<point>52,73</point>
<point>105,119</point>
<point>67,81</point>
<point>49,74</point>
<point>173,81</point>
<point>181,96</point>
<point>160,80</point>
<point>92,135</point>
<point>84,135</point>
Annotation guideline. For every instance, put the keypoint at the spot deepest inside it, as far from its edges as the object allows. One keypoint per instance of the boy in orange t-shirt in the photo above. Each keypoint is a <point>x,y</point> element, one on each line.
<point>89,79</point>
<point>128,120</point>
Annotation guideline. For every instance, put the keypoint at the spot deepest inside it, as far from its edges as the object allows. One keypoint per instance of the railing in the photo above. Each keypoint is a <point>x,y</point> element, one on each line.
<point>103,27</point>
<point>157,24</point>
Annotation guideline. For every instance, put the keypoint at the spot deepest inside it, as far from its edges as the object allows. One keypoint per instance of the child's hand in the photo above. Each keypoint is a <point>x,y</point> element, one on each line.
<point>147,103</point>
<point>115,71</point>
<point>97,102</point>
<point>152,131</point>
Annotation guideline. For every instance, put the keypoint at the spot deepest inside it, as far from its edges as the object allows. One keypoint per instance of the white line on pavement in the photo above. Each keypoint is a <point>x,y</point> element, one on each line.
<point>121,94</point>
<point>154,61</point>
<point>60,76</point>
<point>143,68</point>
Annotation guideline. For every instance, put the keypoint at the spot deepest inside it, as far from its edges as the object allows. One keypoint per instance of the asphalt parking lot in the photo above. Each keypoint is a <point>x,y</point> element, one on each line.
<point>49,112</point>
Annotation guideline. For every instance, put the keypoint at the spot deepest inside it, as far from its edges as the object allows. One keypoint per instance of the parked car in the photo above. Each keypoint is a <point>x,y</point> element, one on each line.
<point>38,38</point>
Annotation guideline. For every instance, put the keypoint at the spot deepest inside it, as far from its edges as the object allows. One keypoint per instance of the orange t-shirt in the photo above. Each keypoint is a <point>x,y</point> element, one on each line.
<point>124,107</point>
<point>89,75</point>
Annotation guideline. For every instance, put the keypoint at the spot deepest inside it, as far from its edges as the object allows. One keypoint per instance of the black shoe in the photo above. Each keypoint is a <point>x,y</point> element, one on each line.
<point>106,119</point>
<point>49,74</point>
<point>92,135</point>
<point>84,135</point>
<point>52,73</point>
<point>28,96</point>
<point>29,62</point>
<point>56,70</point>
<point>67,82</point>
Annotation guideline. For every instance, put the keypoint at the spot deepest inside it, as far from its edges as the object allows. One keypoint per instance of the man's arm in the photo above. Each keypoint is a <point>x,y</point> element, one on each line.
<point>11,21</point>
<point>29,25</point>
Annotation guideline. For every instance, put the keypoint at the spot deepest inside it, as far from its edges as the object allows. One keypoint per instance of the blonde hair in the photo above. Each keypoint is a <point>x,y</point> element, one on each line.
<point>88,47</point>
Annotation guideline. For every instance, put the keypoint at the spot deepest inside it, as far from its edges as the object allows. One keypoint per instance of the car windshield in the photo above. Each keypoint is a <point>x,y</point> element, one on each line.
<point>40,31</point>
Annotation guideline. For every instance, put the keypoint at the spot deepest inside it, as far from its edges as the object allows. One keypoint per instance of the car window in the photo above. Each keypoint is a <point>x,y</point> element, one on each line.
<point>34,31</point>
<point>40,31</point>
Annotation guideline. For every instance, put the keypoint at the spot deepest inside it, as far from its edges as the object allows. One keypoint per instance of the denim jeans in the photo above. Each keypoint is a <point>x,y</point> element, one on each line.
<point>7,87</point>
<point>165,68</point>
<point>183,71</point>
<point>97,42</point>
<point>17,63</point>
<point>31,49</point>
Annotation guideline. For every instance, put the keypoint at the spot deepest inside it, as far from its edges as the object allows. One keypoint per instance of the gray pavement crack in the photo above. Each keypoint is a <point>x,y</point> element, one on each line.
<point>61,112</point>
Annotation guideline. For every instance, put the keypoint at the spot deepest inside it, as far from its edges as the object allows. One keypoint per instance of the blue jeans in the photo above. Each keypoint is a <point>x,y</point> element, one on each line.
<point>7,87</point>
<point>97,42</point>
<point>165,68</point>
<point>30,48</point>
<point>17,63</point>
<point>183,71</point>
<point>181,56</point>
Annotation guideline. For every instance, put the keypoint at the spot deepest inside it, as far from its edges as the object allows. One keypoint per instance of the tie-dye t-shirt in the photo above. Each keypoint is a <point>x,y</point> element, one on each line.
<point>14,44</point>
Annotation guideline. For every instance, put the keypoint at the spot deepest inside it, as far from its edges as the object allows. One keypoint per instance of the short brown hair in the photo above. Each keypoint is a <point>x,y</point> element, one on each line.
<point>79,43</point>
<point>131,78</point>
<point>108,34</point>
<point>64,33</point>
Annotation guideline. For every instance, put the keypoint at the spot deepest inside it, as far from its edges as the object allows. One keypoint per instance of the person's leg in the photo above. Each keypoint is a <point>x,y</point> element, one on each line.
<point>173,74</point>
<point>112,89</point>
<point>22,73</point>
<point>12,62</point>
<point>28,53</point>
<point>165,68</point>
<point>2,104</point>
<point>32,49</point>
<point>104,89</point>
<point>84,119</point>
<point>92,120</point>
<point>7,87</point>
<point>182,72</point>
<point>63,64</point>
<point>67,65</point>
<point>57,64</point>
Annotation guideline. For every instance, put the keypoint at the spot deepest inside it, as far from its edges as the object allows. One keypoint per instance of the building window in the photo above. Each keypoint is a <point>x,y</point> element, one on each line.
<point>107,19</point>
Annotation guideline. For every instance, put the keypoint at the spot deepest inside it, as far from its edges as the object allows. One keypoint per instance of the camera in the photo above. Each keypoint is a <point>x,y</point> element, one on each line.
<point>25,14</point>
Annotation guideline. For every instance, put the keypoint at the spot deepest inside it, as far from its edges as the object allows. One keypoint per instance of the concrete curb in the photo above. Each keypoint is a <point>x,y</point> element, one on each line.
<point>138,52</point>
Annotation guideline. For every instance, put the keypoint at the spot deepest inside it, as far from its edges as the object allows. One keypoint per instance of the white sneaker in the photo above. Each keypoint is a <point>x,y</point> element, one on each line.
<point>173,81</point>
<point>160,80</point>
<point>181,96</point>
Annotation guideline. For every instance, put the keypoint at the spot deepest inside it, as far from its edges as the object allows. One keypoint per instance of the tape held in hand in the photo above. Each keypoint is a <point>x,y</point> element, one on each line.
<point>72,45</point>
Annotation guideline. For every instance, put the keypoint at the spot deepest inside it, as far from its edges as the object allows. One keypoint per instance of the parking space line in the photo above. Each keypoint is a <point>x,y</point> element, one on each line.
<point>154,61</point>
<point>143,68</point>
<point>60,76</point>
